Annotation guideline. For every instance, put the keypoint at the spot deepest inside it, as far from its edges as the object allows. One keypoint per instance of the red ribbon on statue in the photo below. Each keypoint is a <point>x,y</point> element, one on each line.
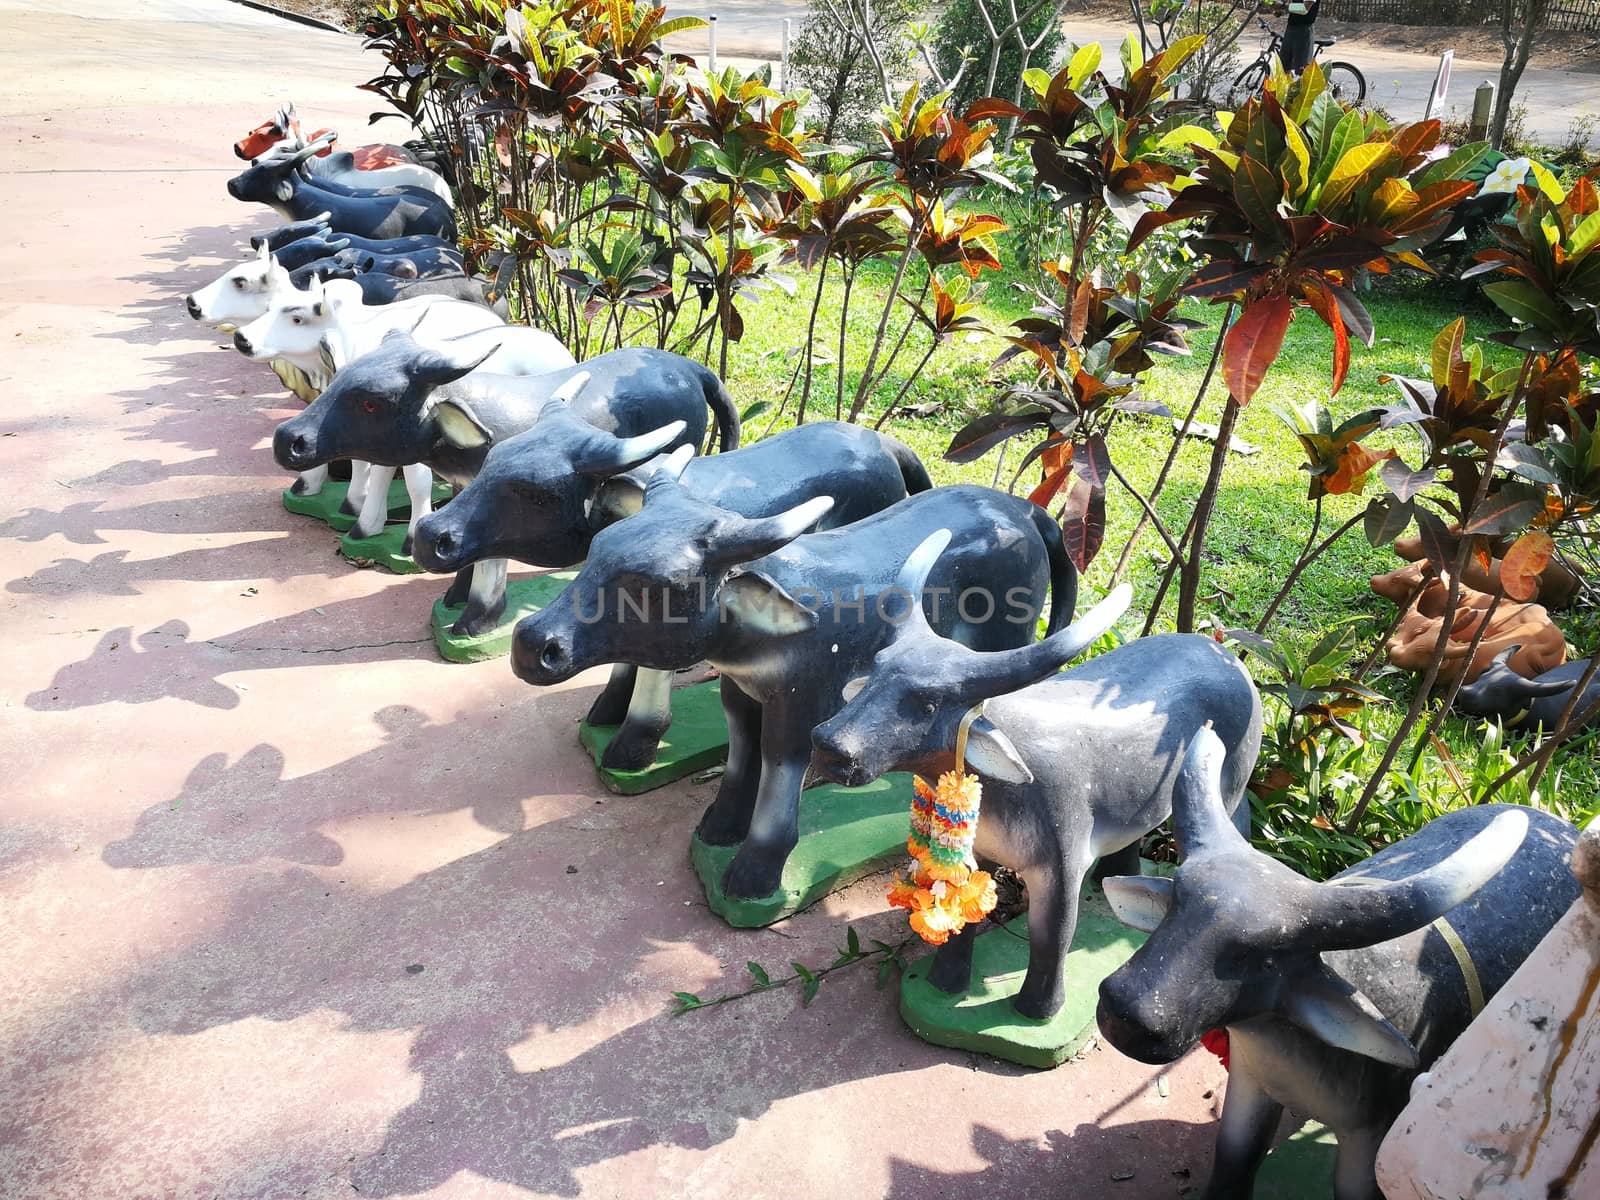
<point>1216,1041</point>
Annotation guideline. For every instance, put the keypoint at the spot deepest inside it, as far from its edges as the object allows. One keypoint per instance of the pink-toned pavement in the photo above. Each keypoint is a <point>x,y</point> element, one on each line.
<point>289,907</point>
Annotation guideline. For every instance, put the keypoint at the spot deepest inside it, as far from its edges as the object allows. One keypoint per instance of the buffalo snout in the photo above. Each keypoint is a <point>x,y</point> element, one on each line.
<point>539,658</point>
<point>242,343</point>
<point>837,762</point>
<point>1133,1031</point>
<point>233,189</point>
<point>292,449</point>
<point>435,546</point>
<point>193,306</point>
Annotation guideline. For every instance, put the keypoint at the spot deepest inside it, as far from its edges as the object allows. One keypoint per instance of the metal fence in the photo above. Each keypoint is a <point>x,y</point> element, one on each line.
<point>1576,16</point>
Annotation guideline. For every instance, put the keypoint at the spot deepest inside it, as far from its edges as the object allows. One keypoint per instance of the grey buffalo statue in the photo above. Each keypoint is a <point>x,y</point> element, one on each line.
<point>787,617</point>
<point>528,503</point>
<point>404,404</point>
<point>381,213</point>
<point>1333,995</point>
<point>1521,703</point>
<point>1076,766</point>
<point>316,229</point>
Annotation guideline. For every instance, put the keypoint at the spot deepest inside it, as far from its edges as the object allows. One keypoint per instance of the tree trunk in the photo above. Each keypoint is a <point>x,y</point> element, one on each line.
<point>1518,47</point>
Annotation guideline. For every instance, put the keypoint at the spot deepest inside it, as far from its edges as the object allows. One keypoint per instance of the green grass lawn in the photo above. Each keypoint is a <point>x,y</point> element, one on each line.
<point>1261,522</point>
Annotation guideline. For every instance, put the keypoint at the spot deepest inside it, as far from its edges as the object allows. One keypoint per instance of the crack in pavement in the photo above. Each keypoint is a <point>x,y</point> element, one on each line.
<point>317,649</point>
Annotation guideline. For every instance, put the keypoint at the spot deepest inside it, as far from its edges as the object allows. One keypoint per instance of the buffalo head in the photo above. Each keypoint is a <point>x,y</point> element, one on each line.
<point>656,587</point>
<point>905,714</point>
<point>1501,693</point>
<point>378,408</point>
<point>1236,934</point>
<point>270,179</point>
<point>531,498</point>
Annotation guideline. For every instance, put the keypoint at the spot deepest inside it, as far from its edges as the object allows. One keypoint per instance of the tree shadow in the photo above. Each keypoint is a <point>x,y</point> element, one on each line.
<point>1138,1159</point>
<point>164,663</point>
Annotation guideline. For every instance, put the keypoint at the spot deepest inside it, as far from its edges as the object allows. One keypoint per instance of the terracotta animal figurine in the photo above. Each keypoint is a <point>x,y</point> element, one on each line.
<point>1557,585</point>
<point>404,404</point>
<point>788,617</point>
<point>1522,703</point>
<point>374,166</point>
<point>1541,644</point>
<point>1075,765</point>
<point>1333,995</point>
<point>528,504</point>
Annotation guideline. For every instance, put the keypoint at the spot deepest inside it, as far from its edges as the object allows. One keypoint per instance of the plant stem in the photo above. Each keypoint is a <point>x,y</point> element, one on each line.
<point>883,321</point>
<point>1177,444</point>
<point>811,338</point>
<point>1189,577</point>
<point>1148,511</point>
<point>1439,713</point>
<point>1419,701</point>
<point>1307,557</point>
<point>838,366</point>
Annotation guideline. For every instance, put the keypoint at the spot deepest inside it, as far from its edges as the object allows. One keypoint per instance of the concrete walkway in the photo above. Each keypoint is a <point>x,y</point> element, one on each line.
<point>292,908</point>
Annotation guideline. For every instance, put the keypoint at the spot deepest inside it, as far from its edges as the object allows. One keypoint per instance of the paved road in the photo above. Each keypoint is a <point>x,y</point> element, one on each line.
<point>294,909</point>
<point>1401,81</point>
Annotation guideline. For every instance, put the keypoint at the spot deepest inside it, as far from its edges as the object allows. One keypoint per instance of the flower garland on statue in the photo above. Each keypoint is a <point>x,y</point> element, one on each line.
<point>943,889</point>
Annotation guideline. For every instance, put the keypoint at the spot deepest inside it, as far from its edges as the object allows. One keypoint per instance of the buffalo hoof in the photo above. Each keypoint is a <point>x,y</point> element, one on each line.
<point>755,872</point>
<point>1039,1004</point>
<point>301,488</point>
<point>951,971</point>
<point>357,532</point>
<point>633,749</point>
<point>471,624</point>
<point>346,509</point>
<point>405,546</point>
<point>721,827</point>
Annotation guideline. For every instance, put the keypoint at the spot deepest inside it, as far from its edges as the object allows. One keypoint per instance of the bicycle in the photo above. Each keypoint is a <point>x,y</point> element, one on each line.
<point>1345,81</point>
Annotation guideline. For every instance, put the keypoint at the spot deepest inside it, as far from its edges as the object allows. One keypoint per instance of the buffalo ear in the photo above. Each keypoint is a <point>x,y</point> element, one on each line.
<point>1139,901</point>
<point>460,426</point>
<point>762,606</point>
<point>1335,1012</point>
<point>283,190</point>
<point>620,496</point>
<point>990,752</point>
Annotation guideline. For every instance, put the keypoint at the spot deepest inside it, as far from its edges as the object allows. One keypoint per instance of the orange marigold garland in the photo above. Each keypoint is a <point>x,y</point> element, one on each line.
<point>943,890</point>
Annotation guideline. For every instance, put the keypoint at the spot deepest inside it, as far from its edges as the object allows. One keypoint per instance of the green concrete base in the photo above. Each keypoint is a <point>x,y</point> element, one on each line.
<point>523,596</point>
<point>1300,1168</point>
<point>384,550</point>
<point>324,506</point>
<point>697,739</point>
<point>983,1019</point>
<point>845,833</point>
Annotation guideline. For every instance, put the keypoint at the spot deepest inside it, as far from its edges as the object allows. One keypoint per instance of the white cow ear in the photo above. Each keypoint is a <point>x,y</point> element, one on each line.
<point>459,426</point>
<point>990,752</point>
<point>1333,1011</point>
<point>1139,901</point>
<point>761,605</point>
<point>284,190</point>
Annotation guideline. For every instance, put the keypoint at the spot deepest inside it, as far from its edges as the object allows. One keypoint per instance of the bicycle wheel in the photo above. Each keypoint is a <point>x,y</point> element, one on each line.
<point>1348,85</point>
<point>1247,83</point>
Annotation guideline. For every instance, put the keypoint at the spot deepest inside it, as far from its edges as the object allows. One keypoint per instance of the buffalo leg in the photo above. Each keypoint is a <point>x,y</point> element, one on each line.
<point>952,962</point>
<point>374,503</point>
<point>309,483</point>
<point>1355,1166</point>
<point>419,488</point>
<point>1052,920</point>
<point>649,715</point>
<point>356,494</point>
<point>727,819</point>
<point>611,705</point>
<point>1249,1121</point>
<point>486,598</point>
<point>757,869</point>
<point>456,594</point>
